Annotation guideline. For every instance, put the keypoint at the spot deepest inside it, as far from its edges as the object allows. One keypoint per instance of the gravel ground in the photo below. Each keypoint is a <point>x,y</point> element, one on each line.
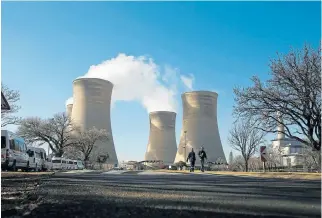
<point>19,192</point>
<point>137,195</point>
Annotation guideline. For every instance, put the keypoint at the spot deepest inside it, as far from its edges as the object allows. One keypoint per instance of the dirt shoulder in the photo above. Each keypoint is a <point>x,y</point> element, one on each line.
<point>19,192</point>
<point>24,174</point>
<point>284,175</point>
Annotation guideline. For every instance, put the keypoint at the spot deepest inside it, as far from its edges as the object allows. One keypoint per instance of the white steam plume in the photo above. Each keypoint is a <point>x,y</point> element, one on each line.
<point>69,101</point>
<point>139,79</point>
<point>188,81</point>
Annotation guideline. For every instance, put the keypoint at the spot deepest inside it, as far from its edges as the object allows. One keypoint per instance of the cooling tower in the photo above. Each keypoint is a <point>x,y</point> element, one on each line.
<point>69,109</point>
<point>200,127</point>
<point>162,139</point>
<point>91,107</point>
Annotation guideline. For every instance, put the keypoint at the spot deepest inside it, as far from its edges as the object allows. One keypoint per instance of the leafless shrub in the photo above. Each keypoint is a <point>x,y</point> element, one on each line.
<point>246,139</point>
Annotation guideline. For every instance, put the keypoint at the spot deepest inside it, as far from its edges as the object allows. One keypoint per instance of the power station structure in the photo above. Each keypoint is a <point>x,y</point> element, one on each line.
<point>162,144</point>
<point>69,110</point>
<point>91,108</point>
<point>200,127</point>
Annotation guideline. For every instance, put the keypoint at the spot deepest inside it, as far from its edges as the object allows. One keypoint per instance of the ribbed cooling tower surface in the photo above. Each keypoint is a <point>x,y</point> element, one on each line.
<point>69,110</point>
<point>201,127</point>
<point>91,107</point>
<point>162,139</point>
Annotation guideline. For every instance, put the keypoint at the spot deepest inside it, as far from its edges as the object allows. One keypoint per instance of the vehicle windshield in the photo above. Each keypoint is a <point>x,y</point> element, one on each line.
<point>31,153</point>
<point>56,161</point>
<point>3,142</point>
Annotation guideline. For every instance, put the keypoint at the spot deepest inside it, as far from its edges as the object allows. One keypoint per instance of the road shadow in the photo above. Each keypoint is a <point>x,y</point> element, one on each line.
<point>97,208</point>
<point>179,196</point>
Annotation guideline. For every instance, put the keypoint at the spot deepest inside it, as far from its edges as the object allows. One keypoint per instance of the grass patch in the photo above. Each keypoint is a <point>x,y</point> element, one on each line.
<point>284,175</point>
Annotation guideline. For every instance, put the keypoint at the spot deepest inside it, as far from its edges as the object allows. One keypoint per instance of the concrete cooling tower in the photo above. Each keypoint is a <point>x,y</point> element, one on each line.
<point>200,127</point>
<point>69,109</point>
<point>91,107</point>
<point>162,139</point>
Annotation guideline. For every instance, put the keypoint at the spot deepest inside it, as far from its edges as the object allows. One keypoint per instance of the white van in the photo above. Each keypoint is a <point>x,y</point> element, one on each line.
<point>64,164</point>
<point>37,159</point>
<point>70,164</point>
<point>75,165</point>
<point>80,165</point>
<point>67,164</point>
<point>13,152</point>
<point>57,163</point>
<point>49,164</point>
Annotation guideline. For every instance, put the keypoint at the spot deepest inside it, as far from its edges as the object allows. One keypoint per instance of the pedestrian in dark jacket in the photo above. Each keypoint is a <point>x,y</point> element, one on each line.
<point>192,160</point>
<point>202,155</point>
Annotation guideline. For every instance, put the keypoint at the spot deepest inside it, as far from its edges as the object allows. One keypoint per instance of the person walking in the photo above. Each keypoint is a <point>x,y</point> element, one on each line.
<point>192,159</point>
<point>202,155</point>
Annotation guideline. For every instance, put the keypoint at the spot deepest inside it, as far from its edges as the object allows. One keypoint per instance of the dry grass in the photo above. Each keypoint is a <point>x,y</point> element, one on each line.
<point>23,174</point>
<point>284,175</point>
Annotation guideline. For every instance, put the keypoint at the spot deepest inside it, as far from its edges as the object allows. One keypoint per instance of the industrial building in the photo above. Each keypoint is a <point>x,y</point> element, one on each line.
<point>91,108</point>
<point>162,144</point>
<point>200,127</point>
<point>290,150</point>
<point>69,110</point>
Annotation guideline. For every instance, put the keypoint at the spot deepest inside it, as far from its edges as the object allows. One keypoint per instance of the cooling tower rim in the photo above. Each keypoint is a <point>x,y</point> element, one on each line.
<point>92,79</point>
<point>201,92</point>
<point>162,112</point>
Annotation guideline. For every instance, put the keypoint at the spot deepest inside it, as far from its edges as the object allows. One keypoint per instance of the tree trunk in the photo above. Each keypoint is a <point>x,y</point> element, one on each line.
<point>59,153</point>
<point>246,166</point>
<point>87,164</point>
<point>319,162</point>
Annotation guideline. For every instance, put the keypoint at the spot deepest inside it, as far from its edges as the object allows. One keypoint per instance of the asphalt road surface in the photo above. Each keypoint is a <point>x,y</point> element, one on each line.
<point>148,194</point>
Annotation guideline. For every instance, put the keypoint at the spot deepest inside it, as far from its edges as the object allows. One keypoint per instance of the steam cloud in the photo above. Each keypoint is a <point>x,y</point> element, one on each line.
<point>141,79</point>
<point>187,81</point>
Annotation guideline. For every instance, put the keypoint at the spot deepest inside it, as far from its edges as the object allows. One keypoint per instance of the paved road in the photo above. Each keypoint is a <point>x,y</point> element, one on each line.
<point>137,194</point>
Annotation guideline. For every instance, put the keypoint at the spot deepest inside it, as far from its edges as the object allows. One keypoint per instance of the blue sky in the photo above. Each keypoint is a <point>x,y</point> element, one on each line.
<point>46,45</point>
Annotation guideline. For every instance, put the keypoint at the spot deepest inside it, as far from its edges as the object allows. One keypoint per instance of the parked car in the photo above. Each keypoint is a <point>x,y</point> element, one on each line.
<point>13,152</point>
<point>37,159</point>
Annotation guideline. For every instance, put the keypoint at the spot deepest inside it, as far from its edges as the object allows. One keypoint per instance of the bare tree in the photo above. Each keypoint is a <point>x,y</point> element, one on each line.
<point>274,157</point>
<point>245,138</point>
<point>254,164</point>
<point>7,116</point>
<point>57,132</point>
<point>312,159</point>
<point>72,152</point>
<point>238,164</point>
<point>102,159</point>
<point>294,91</point>
<point>86,140</point>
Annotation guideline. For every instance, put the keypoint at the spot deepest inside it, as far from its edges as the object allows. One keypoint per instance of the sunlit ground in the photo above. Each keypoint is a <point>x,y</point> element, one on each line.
<point>285,175</point>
